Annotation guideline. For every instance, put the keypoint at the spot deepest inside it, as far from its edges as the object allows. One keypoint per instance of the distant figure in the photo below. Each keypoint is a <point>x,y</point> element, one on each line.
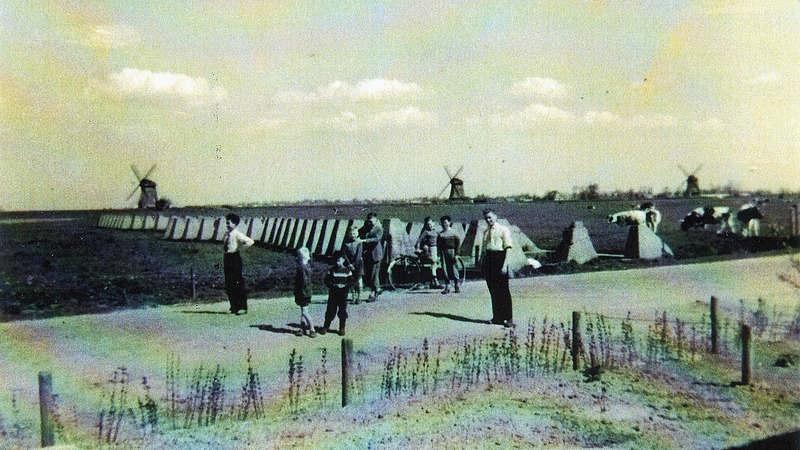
<point>338,279</point>
<point>449,244</point>
<point>303,293</point>
<point>353,250</point>
<point>371,235</point>
<point>232,264</point>
<point>427,249</point>
<point>496,242</point>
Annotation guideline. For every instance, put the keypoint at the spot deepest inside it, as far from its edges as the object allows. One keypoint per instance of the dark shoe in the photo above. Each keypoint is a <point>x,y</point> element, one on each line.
<point>446,290</point>
<point>298,333</point>
<point>312,334</point>
<point>341,331</point>
<point>493,322</point>
<point>322,331</point>
<point>370,299</point>
<point>357,301</point>
<point>457,289</point>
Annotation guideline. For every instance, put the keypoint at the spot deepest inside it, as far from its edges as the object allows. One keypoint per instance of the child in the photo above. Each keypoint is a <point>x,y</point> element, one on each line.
<point>426,248</point>
<point>338,279</point>
<point>302,292</point>
<point>353,250</point>
<point>233,241</point>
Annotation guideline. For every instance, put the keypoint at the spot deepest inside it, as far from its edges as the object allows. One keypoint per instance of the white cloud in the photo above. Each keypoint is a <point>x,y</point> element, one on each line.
<point>640,121</point>
<point>532,114</point>
<point>600,117</point>
<point>380,89</point>
<point>538,113</point>
<point>770,78</point>
<point>111,36</point>
<point>710,124</point>
<point>408,117</point>
<point>269,123</point>
<point>131,81</point>
<point>652,121</point>
<point>540,87</point>
<point>376,89</point>
<point>296,97</point>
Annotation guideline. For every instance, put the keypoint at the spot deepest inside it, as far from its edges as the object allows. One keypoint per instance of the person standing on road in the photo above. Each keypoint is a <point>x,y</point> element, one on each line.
<point>303,293</point>
<point>338,279</point>
<point>427,249</point>
<point>449,244</point>
<point>496,243</point>
<point>372,237</point>
<point>233,241</point>
<point>353,251</point>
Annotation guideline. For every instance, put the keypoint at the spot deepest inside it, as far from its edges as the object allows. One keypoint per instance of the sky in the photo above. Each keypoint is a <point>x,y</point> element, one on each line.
<point>239,102</point>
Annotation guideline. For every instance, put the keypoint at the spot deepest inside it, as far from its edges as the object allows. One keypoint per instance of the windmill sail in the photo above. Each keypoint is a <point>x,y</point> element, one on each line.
<point>148,196</point>
<point>455,184</point>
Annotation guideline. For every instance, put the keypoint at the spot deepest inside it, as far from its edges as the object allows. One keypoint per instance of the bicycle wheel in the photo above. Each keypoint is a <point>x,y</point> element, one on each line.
<point>403,272</point>
<point>462,269</point>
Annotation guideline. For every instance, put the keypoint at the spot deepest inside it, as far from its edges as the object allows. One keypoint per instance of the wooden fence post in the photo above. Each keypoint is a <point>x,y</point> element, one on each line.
<point>46,409</point>
<point>347,350</point>
<point>576,339</point>
<point>746,335</point>
<point>714,327</point>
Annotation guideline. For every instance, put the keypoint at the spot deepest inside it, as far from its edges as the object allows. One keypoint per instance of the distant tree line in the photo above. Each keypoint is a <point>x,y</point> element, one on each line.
<point>591,192</point>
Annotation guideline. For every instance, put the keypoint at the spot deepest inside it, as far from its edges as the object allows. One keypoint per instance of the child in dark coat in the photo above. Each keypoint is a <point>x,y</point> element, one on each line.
<point>339,279</point>
<point>302,292</point>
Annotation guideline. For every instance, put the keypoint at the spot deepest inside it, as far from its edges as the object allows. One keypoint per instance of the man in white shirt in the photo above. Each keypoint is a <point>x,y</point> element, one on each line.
<point>496,242</point>
<point>232,264</point>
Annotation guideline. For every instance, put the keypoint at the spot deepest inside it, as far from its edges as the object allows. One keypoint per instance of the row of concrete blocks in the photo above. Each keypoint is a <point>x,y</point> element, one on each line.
<point>642,243</point>
<point>157,222</point>
<point>320,236</point>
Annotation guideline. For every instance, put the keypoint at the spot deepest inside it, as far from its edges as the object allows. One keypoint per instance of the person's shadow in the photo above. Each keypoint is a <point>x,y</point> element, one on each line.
<point>448,316</point>
<point>279,330</point>
<point>224,313</point>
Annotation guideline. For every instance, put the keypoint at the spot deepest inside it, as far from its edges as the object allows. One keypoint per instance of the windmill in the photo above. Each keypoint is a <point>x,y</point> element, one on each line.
<point>148,197</point>
<point>692,182</point>
<point>456,185</point>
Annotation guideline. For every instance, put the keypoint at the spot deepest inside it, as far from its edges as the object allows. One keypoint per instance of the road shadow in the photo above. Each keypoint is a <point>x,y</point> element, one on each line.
<point>224,313</point>
<point>448,316</point>
<point>279,330</point>
<point>790,440</point>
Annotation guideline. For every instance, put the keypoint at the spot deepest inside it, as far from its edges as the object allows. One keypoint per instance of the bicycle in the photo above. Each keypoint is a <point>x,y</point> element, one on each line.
<point>407,272</point>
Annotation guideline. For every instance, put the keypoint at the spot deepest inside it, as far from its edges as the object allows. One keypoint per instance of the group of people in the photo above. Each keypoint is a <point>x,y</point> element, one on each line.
<point>443,247</point>
<point>357,265</point>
